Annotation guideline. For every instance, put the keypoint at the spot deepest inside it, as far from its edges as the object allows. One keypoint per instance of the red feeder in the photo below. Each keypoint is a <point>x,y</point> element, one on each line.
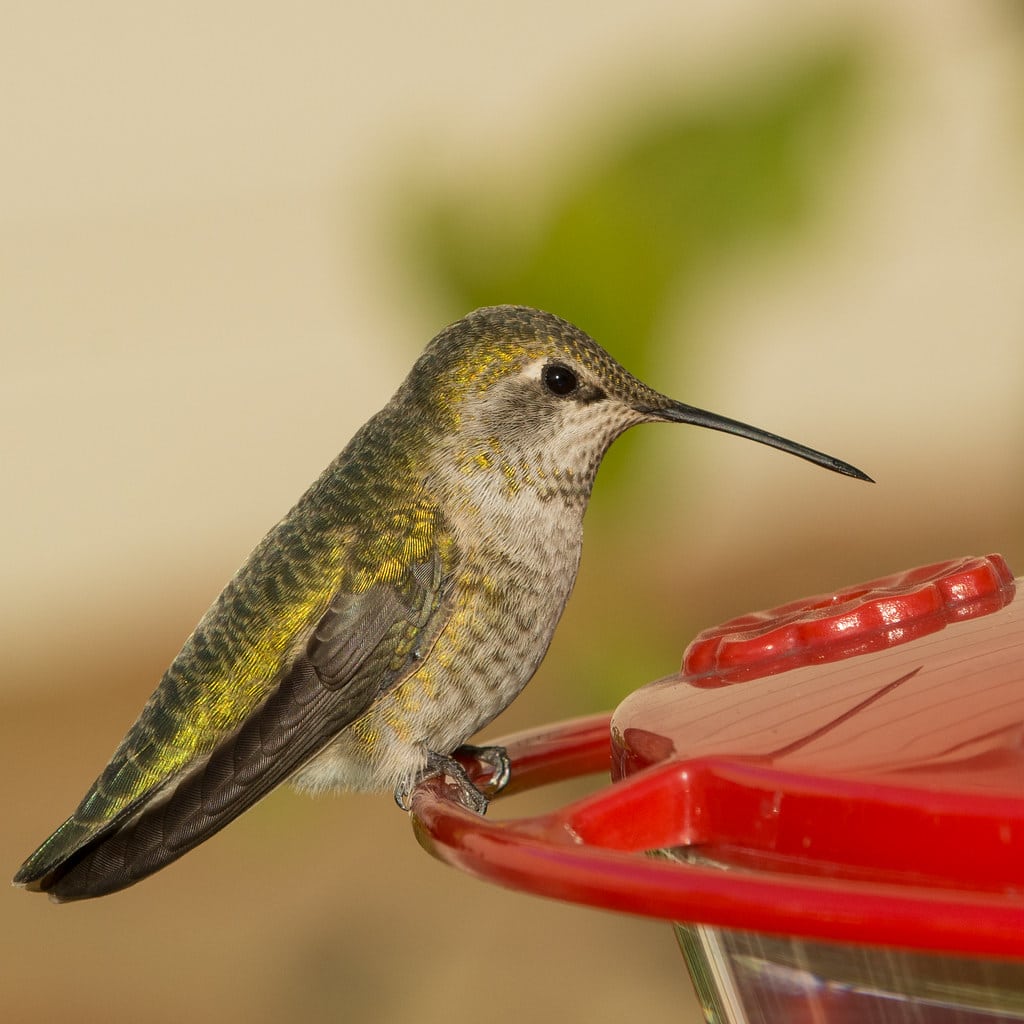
<point>835,791</point>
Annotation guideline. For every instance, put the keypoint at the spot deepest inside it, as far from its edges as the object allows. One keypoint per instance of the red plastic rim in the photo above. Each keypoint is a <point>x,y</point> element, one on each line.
<point>587,851</point>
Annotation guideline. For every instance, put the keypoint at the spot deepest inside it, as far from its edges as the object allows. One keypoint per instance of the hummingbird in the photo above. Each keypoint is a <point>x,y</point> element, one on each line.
<point>399,607</point>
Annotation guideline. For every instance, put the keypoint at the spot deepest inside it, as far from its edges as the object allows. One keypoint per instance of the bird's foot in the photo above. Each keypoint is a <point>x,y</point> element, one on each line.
<point>445,765</point>
<point>496,758</point>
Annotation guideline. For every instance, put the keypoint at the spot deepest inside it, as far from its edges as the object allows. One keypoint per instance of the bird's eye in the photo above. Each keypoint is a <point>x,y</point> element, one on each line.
<point>559,379</point>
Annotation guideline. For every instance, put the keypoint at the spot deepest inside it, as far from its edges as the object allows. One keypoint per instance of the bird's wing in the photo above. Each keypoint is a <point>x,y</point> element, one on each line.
<point>362,645</point>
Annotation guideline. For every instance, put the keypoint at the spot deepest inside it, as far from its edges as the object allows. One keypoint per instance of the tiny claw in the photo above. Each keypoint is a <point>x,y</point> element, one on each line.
<point>444,765</point>
<point>403,793</point>
<point>496,758</point>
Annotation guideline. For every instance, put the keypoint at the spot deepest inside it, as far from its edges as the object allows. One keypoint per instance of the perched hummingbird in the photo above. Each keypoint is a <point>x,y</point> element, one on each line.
<point>400,606</point>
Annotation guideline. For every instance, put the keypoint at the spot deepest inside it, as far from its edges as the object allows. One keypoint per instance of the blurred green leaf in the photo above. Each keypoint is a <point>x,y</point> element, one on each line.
<point>671,198</point>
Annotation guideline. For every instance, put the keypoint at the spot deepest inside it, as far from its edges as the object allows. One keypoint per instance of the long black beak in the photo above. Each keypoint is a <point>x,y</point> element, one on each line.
<point>676,412</point>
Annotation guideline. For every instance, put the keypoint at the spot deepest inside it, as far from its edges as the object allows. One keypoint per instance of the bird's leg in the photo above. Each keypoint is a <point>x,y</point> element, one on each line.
<point>445,764</point>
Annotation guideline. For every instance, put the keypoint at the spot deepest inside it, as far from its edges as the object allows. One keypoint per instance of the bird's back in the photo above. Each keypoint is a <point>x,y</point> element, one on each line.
<point>232,661</point>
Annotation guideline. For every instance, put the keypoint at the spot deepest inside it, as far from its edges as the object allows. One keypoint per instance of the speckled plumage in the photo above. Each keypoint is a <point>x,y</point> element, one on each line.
<point>399,606</point>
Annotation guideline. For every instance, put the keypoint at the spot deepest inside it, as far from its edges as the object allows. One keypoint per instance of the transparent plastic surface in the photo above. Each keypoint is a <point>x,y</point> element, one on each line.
<point>751,978</point>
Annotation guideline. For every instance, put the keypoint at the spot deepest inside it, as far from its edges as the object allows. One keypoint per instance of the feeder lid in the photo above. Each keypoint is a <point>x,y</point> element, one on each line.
<point>875,733</point>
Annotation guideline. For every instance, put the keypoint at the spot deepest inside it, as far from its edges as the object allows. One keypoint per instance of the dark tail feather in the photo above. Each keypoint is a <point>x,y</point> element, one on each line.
<point>297,720</point>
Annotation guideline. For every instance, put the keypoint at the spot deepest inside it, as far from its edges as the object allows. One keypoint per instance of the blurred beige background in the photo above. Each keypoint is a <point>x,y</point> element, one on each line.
<point>209,276</point>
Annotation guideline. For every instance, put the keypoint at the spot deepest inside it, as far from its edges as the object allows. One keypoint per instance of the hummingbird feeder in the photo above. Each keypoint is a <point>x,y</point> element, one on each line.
<point>830,797</point>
